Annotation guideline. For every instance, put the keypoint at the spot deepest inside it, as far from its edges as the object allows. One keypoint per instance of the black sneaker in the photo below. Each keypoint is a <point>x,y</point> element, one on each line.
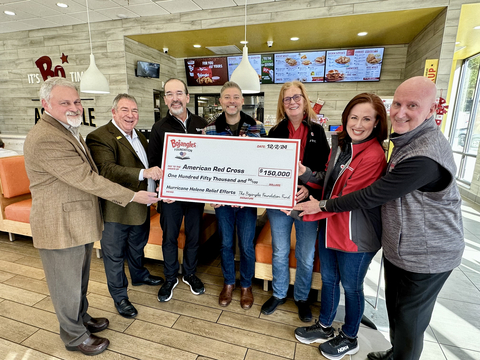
<point>339,346</point>
<point>196,285</point>
<point>315,333</point>
<point>166,291</point>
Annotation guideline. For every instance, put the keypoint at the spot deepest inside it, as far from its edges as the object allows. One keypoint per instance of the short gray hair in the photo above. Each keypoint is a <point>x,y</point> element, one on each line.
<point>228,85</point>
<point>183,82</point>
<point>120,97</point>
<point>49,84</point>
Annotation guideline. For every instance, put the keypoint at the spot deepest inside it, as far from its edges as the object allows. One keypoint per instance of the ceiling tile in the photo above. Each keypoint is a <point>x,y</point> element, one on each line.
<point>250,2</point>
<point>72,5</point>
<point>95,4</point>
<point>39,23</point>
<point>149,9</point>
<point>40,10</point>
<point>64,20</point>
<point>215,4</point>
<point>132,2</point>
<point>113,13</point>
<point>94,16</point>
<point>6,27</point>
<point>179,6</point>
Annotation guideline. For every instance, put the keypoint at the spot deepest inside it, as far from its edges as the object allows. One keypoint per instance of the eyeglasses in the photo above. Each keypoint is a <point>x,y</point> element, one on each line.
<point>170,95</point>
<point>296,98</point>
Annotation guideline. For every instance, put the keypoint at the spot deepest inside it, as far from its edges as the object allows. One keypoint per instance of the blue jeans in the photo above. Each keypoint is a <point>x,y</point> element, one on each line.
<point>350,269</point>
<point>245,219</point>
<point>306,234</point>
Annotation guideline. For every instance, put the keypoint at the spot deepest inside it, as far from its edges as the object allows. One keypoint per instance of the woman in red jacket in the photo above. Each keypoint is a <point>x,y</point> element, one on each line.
<point>349,240</point>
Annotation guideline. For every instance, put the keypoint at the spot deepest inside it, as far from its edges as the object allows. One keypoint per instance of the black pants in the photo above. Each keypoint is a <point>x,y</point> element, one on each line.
<point>171,220</point>
<point>120,242</point>
<point>410,298</point>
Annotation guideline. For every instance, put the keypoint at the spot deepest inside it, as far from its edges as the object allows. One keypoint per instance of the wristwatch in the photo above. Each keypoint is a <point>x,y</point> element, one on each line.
<point>322,205</point>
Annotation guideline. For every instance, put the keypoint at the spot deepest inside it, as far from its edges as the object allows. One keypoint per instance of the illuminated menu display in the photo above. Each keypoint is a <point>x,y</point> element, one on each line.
<point>206,71</point>
<point>304,67</point>
<point>354,65</point>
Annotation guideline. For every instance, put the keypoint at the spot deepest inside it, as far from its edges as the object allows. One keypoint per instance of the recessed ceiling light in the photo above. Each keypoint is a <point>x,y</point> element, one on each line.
<point>477,27</point>
<point>457,43</point>
<point>9,12</point>
<point>122,16</point>
<point>363,33</point>
<point>62,5</point>
<point>197,46</point>
<point>294,38</point>
<point>244,42</point>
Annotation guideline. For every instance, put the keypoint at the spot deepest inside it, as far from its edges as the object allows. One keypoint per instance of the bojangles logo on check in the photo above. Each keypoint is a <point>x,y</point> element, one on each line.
<point>179,143</point>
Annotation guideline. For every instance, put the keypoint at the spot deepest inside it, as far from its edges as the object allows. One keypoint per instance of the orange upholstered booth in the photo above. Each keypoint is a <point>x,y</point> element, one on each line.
<point>153,249</point>
<point>15,200</point>
<point>263,259</point>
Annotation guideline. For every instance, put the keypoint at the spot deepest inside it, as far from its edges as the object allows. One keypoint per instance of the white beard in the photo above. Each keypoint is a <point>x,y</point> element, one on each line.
<point>74,120</point>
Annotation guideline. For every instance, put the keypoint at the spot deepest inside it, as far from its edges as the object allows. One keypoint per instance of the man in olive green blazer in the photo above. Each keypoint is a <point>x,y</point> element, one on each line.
<point>65,216</point>
<point>120,153</point>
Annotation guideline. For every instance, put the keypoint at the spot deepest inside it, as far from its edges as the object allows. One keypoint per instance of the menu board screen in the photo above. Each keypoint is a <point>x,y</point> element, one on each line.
<point>354,65</point>
<point>255,61</point>
<point>206,71</point>
<point>305,67</point>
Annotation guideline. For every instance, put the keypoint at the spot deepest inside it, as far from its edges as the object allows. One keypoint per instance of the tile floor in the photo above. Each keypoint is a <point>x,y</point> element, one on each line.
<point>195,327</point>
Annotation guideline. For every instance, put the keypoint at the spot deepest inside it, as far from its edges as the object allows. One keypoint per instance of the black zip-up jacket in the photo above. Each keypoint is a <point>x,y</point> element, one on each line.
<point>169,123</point>
<point>316,148</point>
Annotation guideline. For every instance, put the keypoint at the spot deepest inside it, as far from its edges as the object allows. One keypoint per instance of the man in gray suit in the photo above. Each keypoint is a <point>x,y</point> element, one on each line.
<point>120,153</point>
<point>66,216</point>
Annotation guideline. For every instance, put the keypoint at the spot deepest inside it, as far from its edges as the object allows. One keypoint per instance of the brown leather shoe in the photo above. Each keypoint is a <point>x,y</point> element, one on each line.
<point>96,324</point>
<point>225,297</point>
<point>93,345</point>
<point>246,298</point>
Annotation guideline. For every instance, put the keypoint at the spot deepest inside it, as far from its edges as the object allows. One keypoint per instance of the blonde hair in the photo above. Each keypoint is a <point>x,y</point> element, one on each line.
<point>307,109</point>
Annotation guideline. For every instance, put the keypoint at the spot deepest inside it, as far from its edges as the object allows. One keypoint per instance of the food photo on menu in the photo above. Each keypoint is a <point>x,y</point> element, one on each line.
<point>354,65</point>
<point>305,67</point>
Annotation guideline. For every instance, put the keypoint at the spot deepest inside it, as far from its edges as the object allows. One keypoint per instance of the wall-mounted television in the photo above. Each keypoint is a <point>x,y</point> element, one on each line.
<point>307,67</point>
<point>147,69</point>
<point>354,65</point>
<point>206,71</point>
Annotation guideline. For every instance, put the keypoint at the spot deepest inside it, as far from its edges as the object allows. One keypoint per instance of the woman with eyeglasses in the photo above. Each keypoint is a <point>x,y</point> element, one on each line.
<point>294,121</point>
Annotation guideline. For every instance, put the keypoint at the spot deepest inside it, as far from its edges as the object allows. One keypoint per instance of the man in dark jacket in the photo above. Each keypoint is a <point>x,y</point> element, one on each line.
<point>120,153</point>
<point>233,122</point>
<point>178,120</point>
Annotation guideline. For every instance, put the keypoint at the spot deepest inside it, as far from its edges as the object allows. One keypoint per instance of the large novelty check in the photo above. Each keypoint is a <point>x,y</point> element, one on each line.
<point>230,170</point>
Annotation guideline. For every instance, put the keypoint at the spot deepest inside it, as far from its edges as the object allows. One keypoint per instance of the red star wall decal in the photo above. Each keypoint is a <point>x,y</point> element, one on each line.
<point>64,58</point>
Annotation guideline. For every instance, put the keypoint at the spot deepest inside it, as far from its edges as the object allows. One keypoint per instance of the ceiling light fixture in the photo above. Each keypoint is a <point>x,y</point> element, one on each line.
<point>245,75</point>
<point>9,12</point>
<point>197,46</point>
<point>93,81</point>
<point>363,33</point>
<point>476,27</point>
<point>294,38</point>
<point>62,5</point>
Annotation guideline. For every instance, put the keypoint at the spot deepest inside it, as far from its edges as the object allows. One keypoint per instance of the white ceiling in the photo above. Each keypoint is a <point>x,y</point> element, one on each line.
<point>39,14</point>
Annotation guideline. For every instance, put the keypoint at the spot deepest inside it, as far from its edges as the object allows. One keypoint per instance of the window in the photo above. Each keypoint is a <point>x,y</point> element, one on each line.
<point>465,131</point>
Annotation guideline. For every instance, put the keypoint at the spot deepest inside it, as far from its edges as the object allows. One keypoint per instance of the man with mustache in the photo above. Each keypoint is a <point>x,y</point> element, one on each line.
<point>120,153</point>
<point>65,217</point>
<point>422,235</point>
<point>178,120</point>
